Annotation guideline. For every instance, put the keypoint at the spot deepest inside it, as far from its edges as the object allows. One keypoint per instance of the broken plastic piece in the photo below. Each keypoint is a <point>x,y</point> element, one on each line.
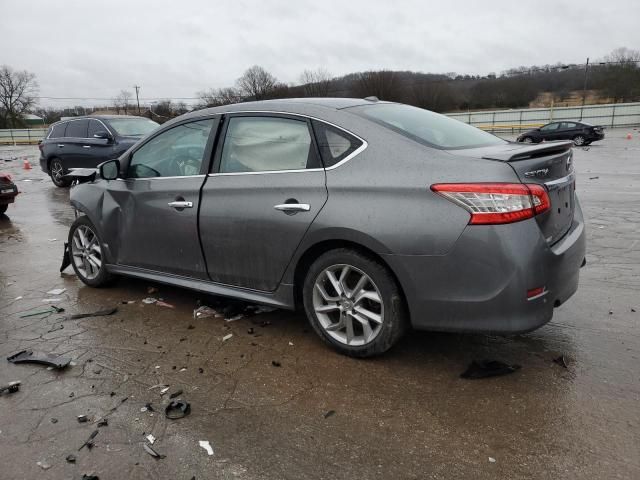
<point>50,359</point>
<point>151,439</point>
<point>103,422</point>
<point>227,337</point>
<point>90,477</point>
<point>152,452</point>
<point>207,446</point>
<point>175,394</point>
<point>329,413</point>
<point>561,361</point>
<point>99,313</point>
<point>66,258</point>
<point>177,409</point>
<point>164,304</point>
<point>89,442</point>
<point>56,291</point>
<point>275,363</point>
<point>43,465</point>
<point>71,458</point>
<point>488,368</point>
<point>204,312</point>
<point>82,419</point>
<point>164,390</point>
<point>12,387</point>
<point>50,310</point>
<point>149,300</point>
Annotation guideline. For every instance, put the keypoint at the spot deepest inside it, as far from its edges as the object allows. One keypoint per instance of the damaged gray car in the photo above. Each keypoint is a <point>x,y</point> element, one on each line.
<point>373,216</point>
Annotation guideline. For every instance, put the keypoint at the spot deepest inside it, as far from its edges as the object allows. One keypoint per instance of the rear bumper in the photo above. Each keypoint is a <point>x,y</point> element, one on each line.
<point>481,284</point>
<point>43,165</point>
<point>10,197</point>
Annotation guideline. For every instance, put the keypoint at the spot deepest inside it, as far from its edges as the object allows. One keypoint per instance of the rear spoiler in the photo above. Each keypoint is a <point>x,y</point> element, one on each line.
<point>526,151</point>
<point>82,175</point>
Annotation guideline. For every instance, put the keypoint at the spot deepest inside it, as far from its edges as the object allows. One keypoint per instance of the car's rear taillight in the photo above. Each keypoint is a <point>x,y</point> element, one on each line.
<point>495,203</point>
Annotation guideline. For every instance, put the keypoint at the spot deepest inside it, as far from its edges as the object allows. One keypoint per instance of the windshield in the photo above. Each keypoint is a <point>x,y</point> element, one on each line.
<point>132,127</point>
<point>427,127</point>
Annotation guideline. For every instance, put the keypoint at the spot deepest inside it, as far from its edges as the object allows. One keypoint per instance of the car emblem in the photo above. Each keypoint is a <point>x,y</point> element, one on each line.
<point>537,173</point>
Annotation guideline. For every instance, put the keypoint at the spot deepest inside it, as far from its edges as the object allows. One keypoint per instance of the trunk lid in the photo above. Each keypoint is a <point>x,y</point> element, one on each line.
<point>549,164</point>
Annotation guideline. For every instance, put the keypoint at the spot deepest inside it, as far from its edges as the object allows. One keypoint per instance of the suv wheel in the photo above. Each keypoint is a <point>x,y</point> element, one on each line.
<point>57,173</point>
<point>85,250</point>
<point>578,140</point>
<point>353,303</point>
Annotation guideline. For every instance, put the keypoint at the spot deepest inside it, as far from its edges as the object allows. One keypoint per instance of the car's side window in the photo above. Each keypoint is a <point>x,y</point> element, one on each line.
<point>568,125</point>
<point>261,144</point>
<point>95,127</point>
<point>335,145</point>
<point>58,130</point>
<point>77,129</point>
<point>177,152</point>
<point>550,127</point>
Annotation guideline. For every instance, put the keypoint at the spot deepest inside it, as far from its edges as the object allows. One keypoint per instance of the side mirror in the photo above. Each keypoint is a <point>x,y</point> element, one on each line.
<point>109,170</point>
<point>104,135</point>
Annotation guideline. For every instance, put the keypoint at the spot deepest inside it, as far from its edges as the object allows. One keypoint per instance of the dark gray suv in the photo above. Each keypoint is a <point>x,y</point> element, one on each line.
<point>85,142</point>
<point>373,216</point>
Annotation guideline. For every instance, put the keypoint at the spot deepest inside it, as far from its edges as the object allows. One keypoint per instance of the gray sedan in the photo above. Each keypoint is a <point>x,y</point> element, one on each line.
<point>373,216</point>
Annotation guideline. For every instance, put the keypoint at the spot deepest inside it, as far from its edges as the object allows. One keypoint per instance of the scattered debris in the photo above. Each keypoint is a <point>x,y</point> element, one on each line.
<point>60,326</point>
<point>89,442</point>
<point>66,258</point>
<point>71,458</point>
<point>561,361</point>
<point>103,422</point>
<point>50,310</point>
<point>164,390</point>
<point>99,313</point>
<point>149,300</point>
<point>17,298</point>
<point>177,409</point>
<point>227,337</point>
<point>205,312</point>
<point>56,291</point>
<point>633,310</point>
<point>151,439</point>
<point>175,394</point>
<point>330,413</point>
<point>152,290</point>
<point>90,477</point>
<point>250,331</point>
<point>127,302</point>
<point>183,369</point>
<point>152,452</point>
<point>492,460</point>
<point>234,318</point>
<point>54,420</point>
<point>291,344</point>
<point>190,327</point>
<point>52,239</point>
<point>200,370</point>
<point>97,371</point>
<point>12,387</point>
<point>488,368</point>
<point>51,300</point>
<point>164,304</point>
<point>593,178</point>
<point>207,446</point>
<point>49,359</point>
<point>83,419</point>
<point>43,465</point>
<point>275,363</point>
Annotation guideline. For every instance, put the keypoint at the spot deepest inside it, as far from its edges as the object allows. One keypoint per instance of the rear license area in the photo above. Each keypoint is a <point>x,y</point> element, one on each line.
<point>7,190</point>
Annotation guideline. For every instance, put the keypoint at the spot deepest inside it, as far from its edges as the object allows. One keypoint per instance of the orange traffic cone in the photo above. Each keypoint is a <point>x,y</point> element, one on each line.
<point>26,165</point>
<point>629,137</point>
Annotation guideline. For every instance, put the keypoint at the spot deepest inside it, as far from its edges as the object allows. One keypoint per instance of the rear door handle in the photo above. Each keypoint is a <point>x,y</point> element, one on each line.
<point>86,146</point>
<point>180,204</point>
<point>60,145</point>
<point>293,207</point>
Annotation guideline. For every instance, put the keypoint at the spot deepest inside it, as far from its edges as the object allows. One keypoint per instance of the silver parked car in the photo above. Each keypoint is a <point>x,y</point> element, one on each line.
<point>374,216</point>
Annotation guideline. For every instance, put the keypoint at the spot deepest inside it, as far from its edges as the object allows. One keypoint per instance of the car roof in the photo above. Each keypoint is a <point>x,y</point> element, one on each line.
<point>290,104</point>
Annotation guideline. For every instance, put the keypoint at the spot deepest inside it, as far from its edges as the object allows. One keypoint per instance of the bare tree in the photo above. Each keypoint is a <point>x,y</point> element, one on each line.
<point>621,76</point>
<point>256,83</point>
<point>316,83</point>
<point>18,90</point>
<point>215,97</point>
<point>123,101</point>
<point>381,84</point>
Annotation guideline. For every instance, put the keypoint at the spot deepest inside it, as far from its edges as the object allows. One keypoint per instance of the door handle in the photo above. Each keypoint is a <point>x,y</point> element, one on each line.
<point>180,204</point>
<point>60,145</point>
<point>293,207</point>
<point>86,146</point>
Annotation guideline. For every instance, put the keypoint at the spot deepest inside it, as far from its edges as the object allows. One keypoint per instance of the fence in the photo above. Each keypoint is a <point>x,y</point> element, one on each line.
<point>610,115</point>
<point>22,136</point>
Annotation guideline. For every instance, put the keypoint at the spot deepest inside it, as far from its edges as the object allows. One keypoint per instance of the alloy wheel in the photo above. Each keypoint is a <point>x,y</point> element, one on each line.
<point>86,252</point>
<point>579,140</point>
<point>527,140</point>
<point>57,171</point>
<point>348,305</point>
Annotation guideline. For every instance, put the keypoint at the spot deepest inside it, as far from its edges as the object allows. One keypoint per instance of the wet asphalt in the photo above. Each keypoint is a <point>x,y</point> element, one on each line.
<point>274,402</point>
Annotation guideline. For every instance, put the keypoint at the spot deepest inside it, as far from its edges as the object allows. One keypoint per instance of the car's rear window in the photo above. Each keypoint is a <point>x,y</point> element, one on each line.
<point>132,127</point>
<point>426,127</point>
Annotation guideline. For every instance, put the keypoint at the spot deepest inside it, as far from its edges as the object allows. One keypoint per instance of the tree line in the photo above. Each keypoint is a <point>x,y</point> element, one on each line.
<point>615,77</point>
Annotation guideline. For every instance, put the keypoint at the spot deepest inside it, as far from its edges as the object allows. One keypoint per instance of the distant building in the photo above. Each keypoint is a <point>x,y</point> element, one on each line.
<point>33,120</point>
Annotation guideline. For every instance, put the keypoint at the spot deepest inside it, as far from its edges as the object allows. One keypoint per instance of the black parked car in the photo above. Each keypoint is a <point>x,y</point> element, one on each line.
<point>579,132</point>
<point>85,142</point>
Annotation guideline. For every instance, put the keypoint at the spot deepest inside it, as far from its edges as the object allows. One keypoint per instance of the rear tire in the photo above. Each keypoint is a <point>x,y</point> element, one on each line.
<point>354,303</point>
<point>578,140</point>
<point>527,140</point>
<point>57,172</point>
<point>86,254</point>
<point>3,208</point>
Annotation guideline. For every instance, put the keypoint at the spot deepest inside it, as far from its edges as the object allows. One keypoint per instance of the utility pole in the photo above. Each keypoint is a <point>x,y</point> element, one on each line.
<point>584,86</point>
<point>137,87</point>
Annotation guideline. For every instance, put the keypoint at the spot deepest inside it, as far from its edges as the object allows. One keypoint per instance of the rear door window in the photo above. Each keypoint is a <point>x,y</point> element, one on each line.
<point>568,125</point>
<point>550,128</point>
<point>335,145</point>
<point>95,127</point>
<point>57,130</point>
<point>263,144</point>
<point>77,129</point>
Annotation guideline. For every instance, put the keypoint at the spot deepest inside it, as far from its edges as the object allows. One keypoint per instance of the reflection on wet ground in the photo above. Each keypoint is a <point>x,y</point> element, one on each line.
<point>407,414</point>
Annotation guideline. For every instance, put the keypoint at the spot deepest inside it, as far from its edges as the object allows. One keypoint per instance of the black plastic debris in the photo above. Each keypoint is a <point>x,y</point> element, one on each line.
<point>593,178</point>
<point>561,361</point>
<point>90,477</point>
<point>175,394</point>
<point>488,368</point>
<point>89,442</point>
<point>103,422</point>
<point>99,313</point>
<point>66,258</point>
<point>152,452</point>
<point>149,407</point>
<point>82,419</point>
<point>12,387</point>
<point>71,458</point>
<point>275,363</point>
<point>54,420</point>
<point>200,370</point>
<point>49,359</point>
<point>330,413</point>
<point>177,409</point>
<point>250,331</point>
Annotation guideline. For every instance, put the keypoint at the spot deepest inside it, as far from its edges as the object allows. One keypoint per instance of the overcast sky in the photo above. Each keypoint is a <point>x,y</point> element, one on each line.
<point>176,48</point>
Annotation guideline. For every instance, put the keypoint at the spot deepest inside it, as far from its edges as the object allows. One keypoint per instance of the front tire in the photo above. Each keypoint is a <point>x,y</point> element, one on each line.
<point>57,172</point>
<point>578,140</point>
<point>353,303</point>
<point>527,140</point>
<point>86,254</point>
